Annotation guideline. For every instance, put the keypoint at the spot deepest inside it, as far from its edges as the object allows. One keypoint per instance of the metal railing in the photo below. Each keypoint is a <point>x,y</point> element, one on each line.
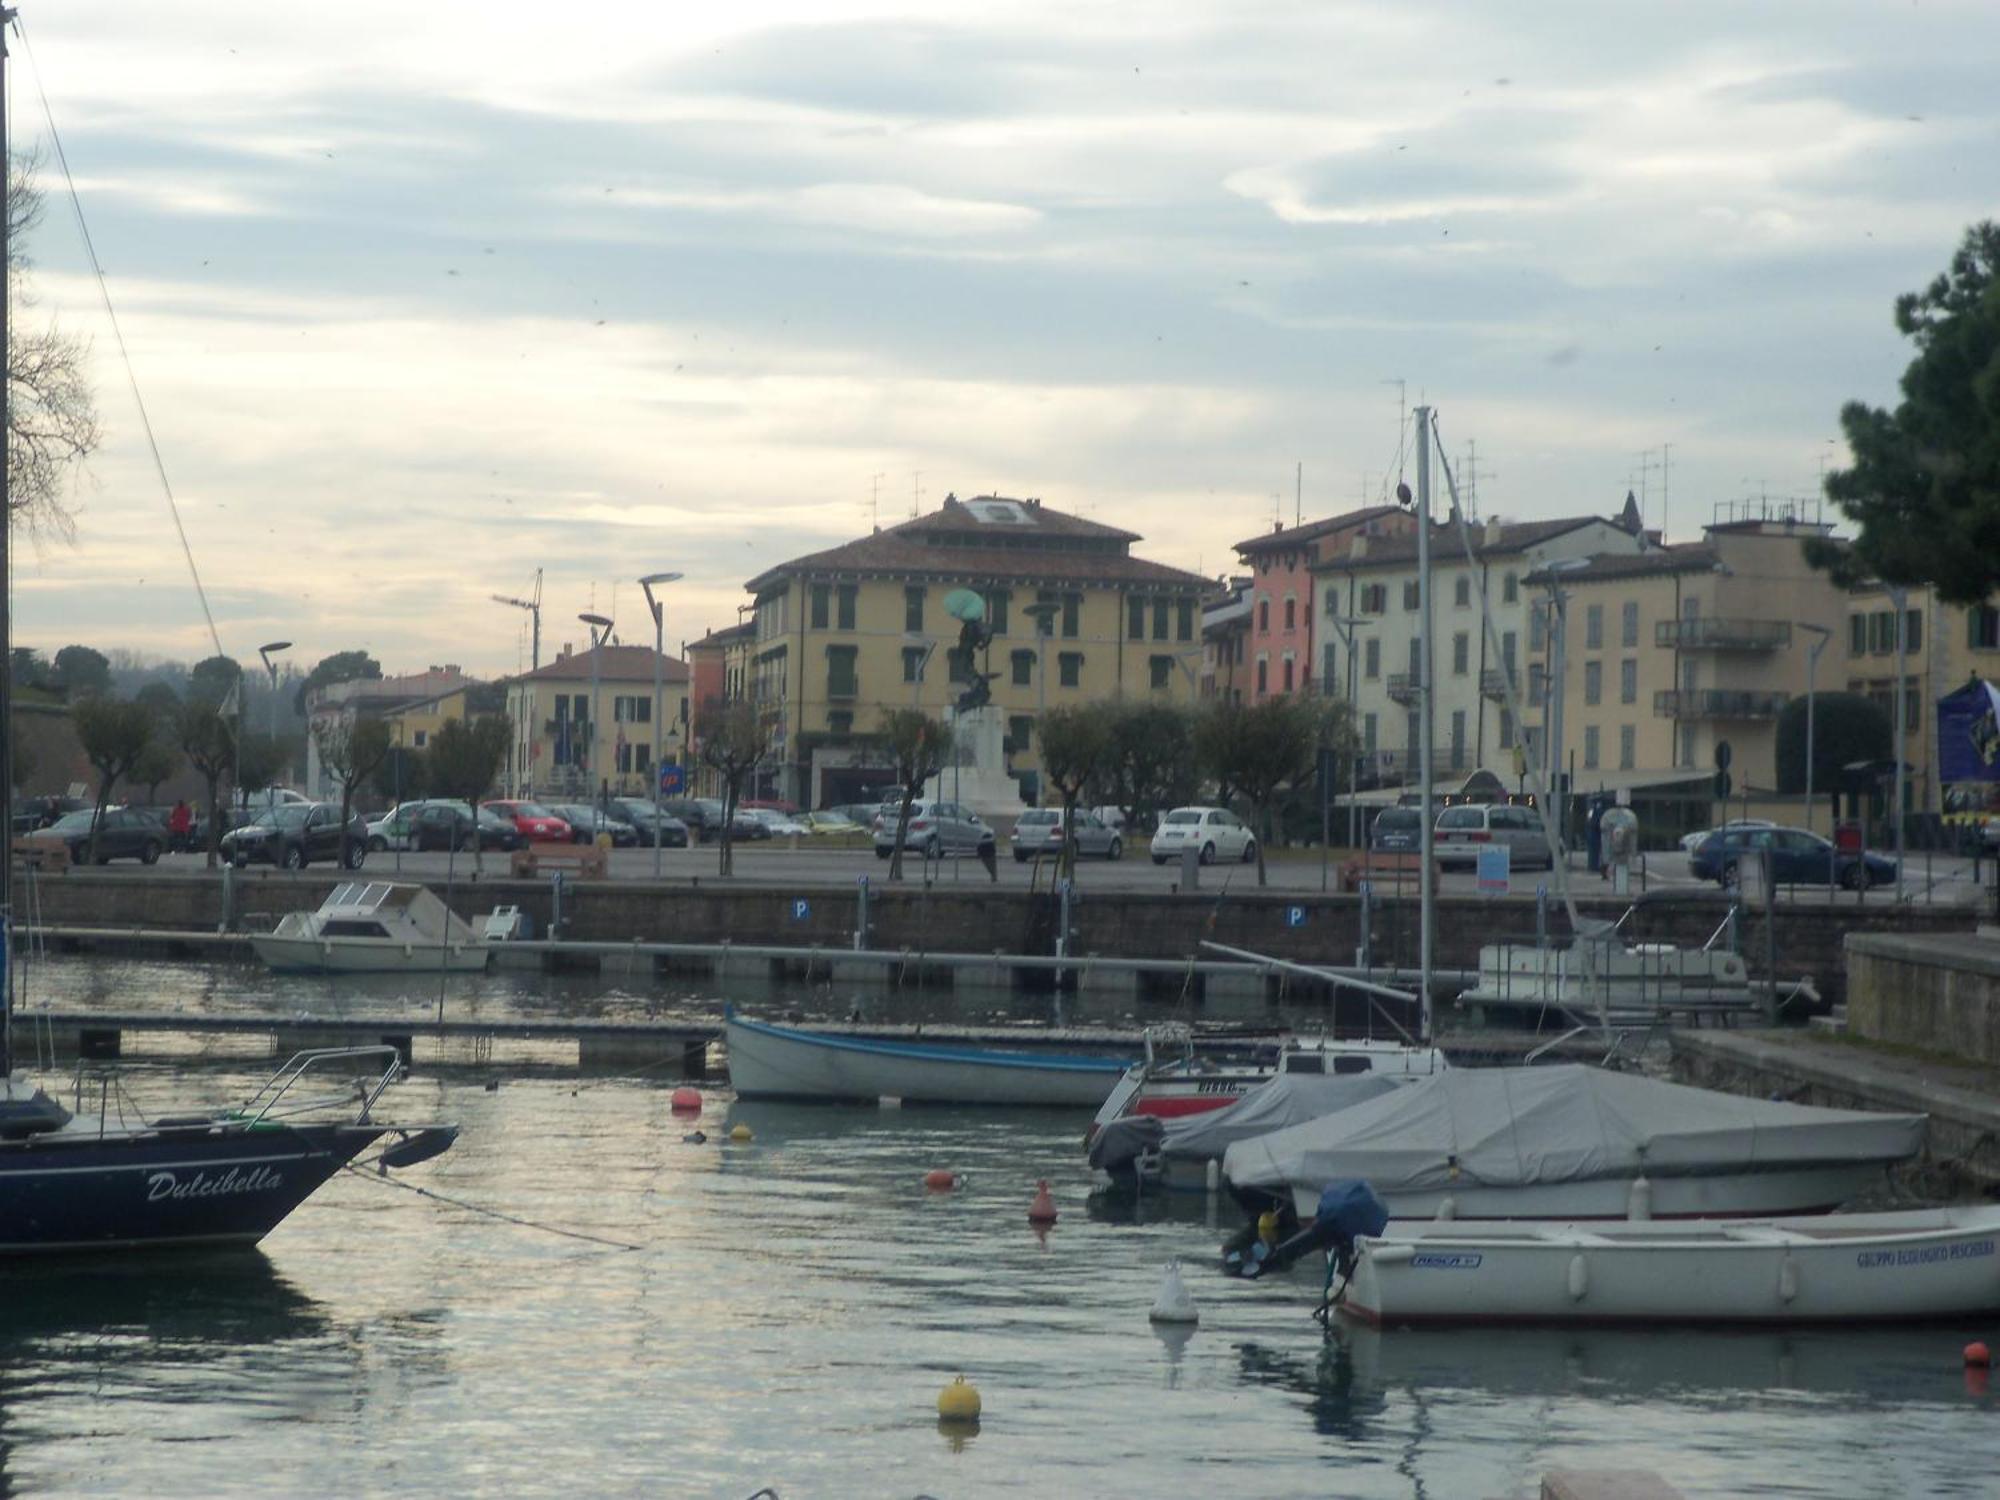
<point>1710,633</point>
<point>1719,703</point>
<point>1401,687</point>
<point>1493,683</point>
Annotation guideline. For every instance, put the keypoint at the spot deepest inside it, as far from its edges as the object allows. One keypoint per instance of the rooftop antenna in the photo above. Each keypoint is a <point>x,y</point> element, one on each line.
<point>875,502</point>
<point>1473,474</point>
<point>1299,494</point>
<point>533,605</point>
<point>1647,463</point>
<point>1402,420</point>
<point>1666,485</point>
<point>916,493</point>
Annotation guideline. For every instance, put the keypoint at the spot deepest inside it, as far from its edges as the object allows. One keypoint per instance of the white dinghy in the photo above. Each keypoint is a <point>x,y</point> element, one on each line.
<point>373,927</point>
<point>1576,1142</point>
<point>1836,1268</point>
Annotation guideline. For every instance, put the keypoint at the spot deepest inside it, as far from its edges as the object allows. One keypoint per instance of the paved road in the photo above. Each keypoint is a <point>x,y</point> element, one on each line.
<point>1947,881</point>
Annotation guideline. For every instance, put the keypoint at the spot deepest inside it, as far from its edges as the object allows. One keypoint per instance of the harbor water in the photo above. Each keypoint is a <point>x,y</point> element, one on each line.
<point>792,1305</point>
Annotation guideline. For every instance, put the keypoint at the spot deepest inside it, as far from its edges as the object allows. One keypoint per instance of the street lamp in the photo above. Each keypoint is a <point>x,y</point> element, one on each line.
<point>600,627</point>
<point>659,609</point>
<point>1900,598</point>
<point>1821,635</point>
<point>916,639</point>
<point>271,707</point>
<point>1043,613</point>
<point>1558,626</point>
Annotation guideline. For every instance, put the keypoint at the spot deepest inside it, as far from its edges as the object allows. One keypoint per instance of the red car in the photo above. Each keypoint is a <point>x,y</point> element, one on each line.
<point>534,822</point>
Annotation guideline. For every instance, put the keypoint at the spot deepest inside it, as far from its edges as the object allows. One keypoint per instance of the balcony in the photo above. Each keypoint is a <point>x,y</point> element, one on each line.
<point>1705,633</point>
<point>1719,703</point>
<point>1401,687</point>
<point>1493,684</point>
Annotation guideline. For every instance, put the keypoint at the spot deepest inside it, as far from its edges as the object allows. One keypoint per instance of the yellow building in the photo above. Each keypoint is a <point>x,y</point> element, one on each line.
<point>562,747</point>
<point>413,704</point>
<point>1944,647</point>
<point>1676,650</point>
<point>843,635</point>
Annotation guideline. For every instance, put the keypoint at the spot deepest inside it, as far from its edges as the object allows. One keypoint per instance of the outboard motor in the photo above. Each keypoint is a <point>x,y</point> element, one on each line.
<point>1119,1146</point>
<point>1347,1211</point>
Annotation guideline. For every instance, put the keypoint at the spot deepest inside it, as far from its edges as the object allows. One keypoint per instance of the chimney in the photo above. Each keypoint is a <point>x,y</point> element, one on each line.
<point>1492,537</point>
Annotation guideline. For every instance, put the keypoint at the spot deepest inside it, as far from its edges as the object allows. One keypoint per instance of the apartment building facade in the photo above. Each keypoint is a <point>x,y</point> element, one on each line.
<point>1282,629</point>
<point>844,635</point>
<point>1944,646</point>
<point>1374,585</point>
<point>563,747</point>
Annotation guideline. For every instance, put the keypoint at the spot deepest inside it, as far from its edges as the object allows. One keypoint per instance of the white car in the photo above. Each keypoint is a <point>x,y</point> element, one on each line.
<point>1692,841</point>
<point>1215,831</point>
<point>782,825</point>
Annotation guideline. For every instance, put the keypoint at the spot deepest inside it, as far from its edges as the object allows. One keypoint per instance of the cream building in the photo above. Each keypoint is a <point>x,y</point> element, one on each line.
<point>1944,647</point>
<point>1375,587</point>
<point>1676,650</point>
<point>843,635</point>
<point>561,747</point>
<point>418,702</point>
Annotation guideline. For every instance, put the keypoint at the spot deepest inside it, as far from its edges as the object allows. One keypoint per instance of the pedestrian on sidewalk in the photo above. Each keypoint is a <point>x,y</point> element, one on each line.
<point>179,823</point>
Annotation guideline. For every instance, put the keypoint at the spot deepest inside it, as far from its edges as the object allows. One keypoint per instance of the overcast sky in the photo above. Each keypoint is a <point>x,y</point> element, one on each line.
<point>424,296</point>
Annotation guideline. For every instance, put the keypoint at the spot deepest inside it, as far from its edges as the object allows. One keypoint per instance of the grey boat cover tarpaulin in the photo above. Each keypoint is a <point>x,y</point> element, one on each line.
<point>1285,1100</point>
<point>1507,1127</point>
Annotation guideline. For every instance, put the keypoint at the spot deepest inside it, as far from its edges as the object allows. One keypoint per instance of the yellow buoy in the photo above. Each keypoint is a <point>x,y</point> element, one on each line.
<point>740,1133</point>
<point>959,1402</point>
<point>1267,1227</point>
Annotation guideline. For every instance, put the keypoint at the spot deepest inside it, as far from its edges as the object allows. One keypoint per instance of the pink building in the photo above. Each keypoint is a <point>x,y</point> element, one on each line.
<point>1281,630</point>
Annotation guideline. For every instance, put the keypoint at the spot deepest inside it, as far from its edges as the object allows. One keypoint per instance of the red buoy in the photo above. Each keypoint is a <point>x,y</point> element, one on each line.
<point>1043,1209</point>
<point>686,1100</point>
<point>1978,1355</point>
<point>938,1180</point>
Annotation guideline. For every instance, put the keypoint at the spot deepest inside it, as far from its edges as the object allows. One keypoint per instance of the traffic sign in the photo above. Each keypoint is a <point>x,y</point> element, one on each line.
<point>671,780</point>
<point>1722,755</point>
<point>801,909</point>
<point>1722,786</point>
<point>1295,916</point>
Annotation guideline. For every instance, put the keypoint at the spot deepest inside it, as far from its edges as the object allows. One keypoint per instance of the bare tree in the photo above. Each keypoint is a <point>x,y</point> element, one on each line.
<point>734,741</point>
<point>114,736</point>
<point>351,749</point>
<point>205,739</point>
<point>1076,742</point>
<point>922,746</point>
<point>51,418</point>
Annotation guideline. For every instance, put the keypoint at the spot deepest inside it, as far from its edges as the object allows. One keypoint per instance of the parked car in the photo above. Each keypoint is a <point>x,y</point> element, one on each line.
<point>1214,831</point>
<point>126,833</point>
<point>32,813</point>
<point>832,822</point>
<point>1460,832</point>
<point>1397,830</point>
<point>295,834</point>
<point>772,804</point>
<point>535,822</point>
<point>587,822</point>
<point>1693,841</point>
<point>638,812</point>
<point>703,816</point>
<point>936,829</point>
<point>1797,858</point>
<point>1039,831</point>
<point>440,824</point>
<point>781,825</point>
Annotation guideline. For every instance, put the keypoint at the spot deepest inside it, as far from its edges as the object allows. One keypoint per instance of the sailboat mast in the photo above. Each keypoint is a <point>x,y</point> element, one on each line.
<point>6,597</point>
<point>1426,703</point>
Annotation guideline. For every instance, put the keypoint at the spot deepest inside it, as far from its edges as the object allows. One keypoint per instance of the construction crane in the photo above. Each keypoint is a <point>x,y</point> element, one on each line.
<point>533,605</point>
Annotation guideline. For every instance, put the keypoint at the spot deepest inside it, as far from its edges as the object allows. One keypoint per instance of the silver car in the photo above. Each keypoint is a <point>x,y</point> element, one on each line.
<point>936,829</point>
<point>1461,832</point>
<point>1038,831</point>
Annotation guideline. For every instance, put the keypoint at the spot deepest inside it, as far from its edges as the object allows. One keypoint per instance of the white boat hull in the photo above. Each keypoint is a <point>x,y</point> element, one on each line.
<point>1936,1263</point>
<point>1721,1195</point>
<point>308,955</point>
<point>774,1062</point>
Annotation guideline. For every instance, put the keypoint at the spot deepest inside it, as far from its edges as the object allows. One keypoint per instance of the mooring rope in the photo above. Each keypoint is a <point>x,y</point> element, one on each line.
<point>491,1213</point>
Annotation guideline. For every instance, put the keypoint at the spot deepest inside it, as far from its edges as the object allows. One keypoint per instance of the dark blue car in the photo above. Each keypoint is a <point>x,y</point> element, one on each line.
<point>1797,858</point>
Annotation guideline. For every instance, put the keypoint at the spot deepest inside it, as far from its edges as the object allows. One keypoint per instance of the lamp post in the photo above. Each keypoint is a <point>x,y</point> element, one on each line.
<point>600,627</point>
<point>1347,625</point>
<point>659,609</point>
<point>271,707</point>
<point>1900,598</point>
<point>1821,635</point>
<point>1043,613</point>
<point>917,640</point>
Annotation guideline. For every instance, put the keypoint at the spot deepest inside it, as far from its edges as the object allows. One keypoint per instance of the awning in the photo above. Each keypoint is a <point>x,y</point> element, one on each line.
<point>1666,783</point>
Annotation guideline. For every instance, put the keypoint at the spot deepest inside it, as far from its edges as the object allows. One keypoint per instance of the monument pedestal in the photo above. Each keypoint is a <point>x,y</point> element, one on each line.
<point>978,777</point>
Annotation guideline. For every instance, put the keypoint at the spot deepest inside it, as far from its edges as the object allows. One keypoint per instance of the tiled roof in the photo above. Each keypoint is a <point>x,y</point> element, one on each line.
<point>1682,557</point>
<point>913,549</point>
<point>1312,531</point>
<point>729,635</point>
<point>1514,536</point>
<point>615,664</point>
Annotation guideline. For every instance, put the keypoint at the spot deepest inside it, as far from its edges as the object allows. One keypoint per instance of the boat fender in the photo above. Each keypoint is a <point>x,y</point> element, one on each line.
<point>1214,1180</point>
<point>741,1134</point>
<point>1173,1305</point>
<point>1978,1355</point>
<point>1639,1202</point>
<point>1447,1208</point>
<point>1579,1277</point>
<point>1043,1209</point>
<point>695,1138</point>
<point>1788,1279</point>
<point>1267,1227</point>
<point>685,1100</point>
<point>940,1179</point>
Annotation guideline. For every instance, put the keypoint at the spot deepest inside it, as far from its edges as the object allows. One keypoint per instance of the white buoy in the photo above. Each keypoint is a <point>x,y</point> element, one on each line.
<point>1173,1305</point>
<point>1214,1173</point>
<point>1639,1202</point>
<point>888,1101</point>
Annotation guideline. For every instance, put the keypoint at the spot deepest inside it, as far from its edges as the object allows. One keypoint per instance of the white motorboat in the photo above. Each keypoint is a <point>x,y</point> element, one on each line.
<point>1618,981</point>
<point>1575,1142</point>
<point>785,1062</point>
<point>373,927</point>
<point>1837,1268</point>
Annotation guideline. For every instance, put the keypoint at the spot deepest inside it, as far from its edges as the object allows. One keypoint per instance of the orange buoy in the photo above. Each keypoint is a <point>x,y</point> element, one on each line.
<point>938,1180</point>
<point>1043,1209</point>
<point>686,1099</point>
<point>1978,1355</point>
